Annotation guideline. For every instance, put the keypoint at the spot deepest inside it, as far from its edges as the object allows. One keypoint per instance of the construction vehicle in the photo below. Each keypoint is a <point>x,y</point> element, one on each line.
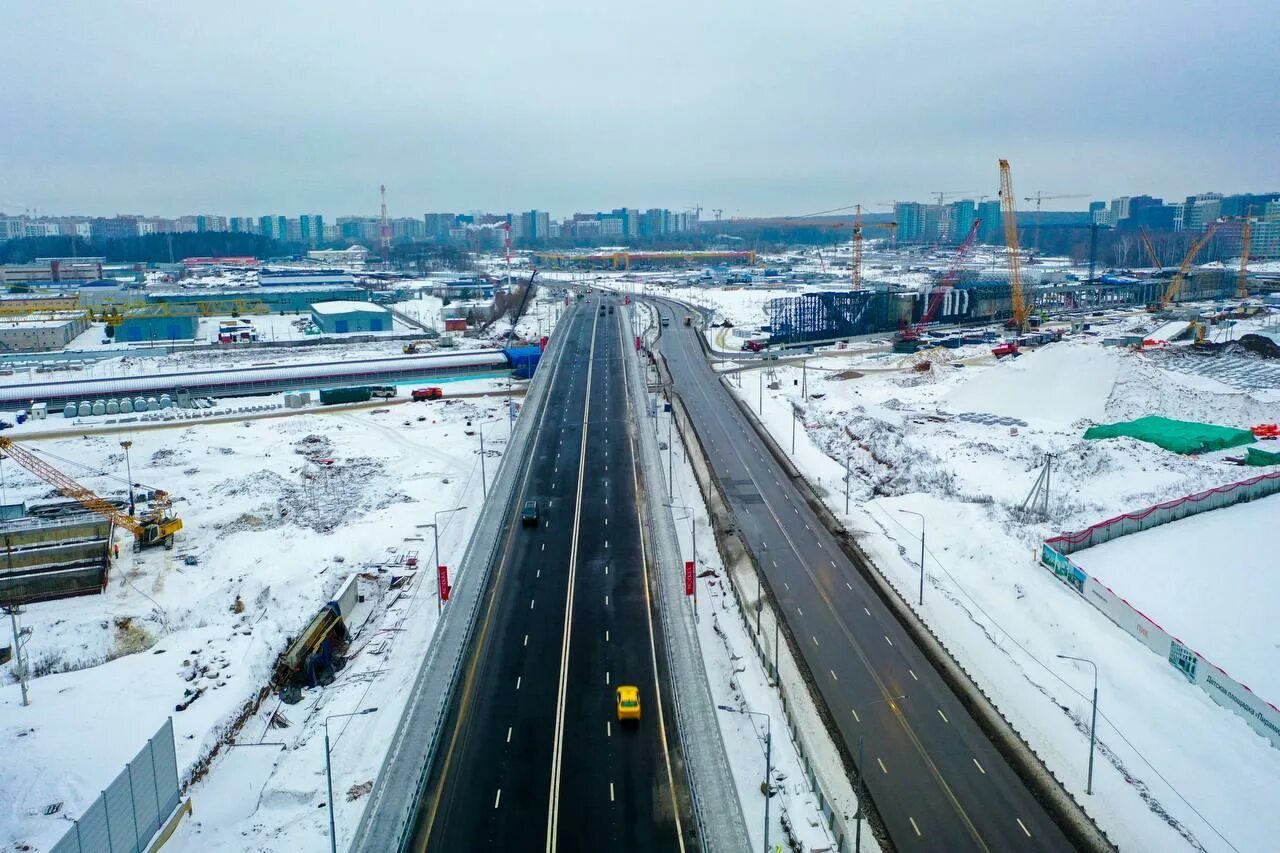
<point>432,392</point>
<point>1009,212</point>
<point>1005,348</point>
<point>754,345</point>
<point>1171,292</point>
<point>156,527</point>
<point>411,348</point>
<point>910,334</point>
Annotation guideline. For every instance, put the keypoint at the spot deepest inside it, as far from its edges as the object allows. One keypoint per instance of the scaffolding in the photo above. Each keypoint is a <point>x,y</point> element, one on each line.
<point>835,315</point>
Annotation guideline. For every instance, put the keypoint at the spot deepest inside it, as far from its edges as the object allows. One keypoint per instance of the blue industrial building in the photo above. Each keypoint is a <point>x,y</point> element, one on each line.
<point>279,300</point>
<point>344,317</point>
<point>156,325</point>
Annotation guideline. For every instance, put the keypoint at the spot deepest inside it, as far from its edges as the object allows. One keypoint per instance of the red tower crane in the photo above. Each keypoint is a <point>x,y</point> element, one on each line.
<point>945,285</point>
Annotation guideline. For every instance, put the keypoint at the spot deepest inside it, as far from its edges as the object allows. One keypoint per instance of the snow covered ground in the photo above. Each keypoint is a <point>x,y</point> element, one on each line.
<point>274,531</point>
<point>1208,581</point>
<point>963,445</point>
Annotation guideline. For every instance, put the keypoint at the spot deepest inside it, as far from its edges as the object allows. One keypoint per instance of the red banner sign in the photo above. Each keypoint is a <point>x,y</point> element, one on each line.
<point>444,582</point>
<point>637,343</point>
<point>688,577</point>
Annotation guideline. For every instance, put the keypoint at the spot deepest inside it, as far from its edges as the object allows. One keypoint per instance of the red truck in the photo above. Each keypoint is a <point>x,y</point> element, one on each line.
<point>754,345</point>
<point>431,393</point>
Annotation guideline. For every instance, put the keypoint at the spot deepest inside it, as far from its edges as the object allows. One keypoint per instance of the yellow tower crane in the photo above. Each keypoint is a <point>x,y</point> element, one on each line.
<point>1246,235</point>
<point>1175,286</point>
<point>155,528</point>
<point>1009,210</point>
<point>857,242</point>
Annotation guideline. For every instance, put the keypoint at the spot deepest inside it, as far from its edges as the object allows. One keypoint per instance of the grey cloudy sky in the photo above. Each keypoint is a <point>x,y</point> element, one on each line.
<point>259,107</point>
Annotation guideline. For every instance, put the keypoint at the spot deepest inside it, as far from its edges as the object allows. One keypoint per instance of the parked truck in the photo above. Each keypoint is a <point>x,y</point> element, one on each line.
<point>356,394</point>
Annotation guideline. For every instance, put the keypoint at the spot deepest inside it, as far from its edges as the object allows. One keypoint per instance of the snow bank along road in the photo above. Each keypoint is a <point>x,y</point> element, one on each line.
<point>936,780</point>
<point>532,756</point>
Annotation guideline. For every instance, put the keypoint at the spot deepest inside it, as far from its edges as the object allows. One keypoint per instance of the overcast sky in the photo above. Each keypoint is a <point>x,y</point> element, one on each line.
<point>261,107</point>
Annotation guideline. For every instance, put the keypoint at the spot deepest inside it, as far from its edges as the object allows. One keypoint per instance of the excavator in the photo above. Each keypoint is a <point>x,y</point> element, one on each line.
<point>156,527</point>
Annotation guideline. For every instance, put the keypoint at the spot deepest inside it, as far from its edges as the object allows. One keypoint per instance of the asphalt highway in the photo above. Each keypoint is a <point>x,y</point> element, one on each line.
<point>533,756</point>
<point>935,778</point>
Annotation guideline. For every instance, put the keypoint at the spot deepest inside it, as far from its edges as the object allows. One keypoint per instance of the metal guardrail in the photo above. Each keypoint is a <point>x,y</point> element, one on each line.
<point>398,791</point>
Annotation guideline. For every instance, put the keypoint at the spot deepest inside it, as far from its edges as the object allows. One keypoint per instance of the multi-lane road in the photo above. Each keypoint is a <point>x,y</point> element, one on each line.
<point>935,778</point>
<point>533,756</point>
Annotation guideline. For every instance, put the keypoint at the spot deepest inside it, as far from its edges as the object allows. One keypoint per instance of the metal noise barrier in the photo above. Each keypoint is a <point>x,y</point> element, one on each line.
<point>133,808</point>
<point>397,793</point>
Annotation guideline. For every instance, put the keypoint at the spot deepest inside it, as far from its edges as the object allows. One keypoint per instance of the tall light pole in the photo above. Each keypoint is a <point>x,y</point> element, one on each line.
<point>435,532</point>
<point>857,781</point>
<point>693,543</point>
<point>1093,727</point>
<point>484,483</point>
<point>847,478</point>
<point>768,761</point>
<point>921,517</point>
<point>328,771</point>
<point>129,468</point>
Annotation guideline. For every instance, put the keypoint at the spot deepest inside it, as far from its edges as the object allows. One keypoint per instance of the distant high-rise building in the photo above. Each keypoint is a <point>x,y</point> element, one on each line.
<point>535,225</point>
<point>1265,242</point>
<point>1200,210</point>
<point>960,216</point>
<point>1247,204</point>
<point>991,231</point>
<point>438,225</point>
<point>910,218</point>
<point>654,223</point>
<point>312,227</point>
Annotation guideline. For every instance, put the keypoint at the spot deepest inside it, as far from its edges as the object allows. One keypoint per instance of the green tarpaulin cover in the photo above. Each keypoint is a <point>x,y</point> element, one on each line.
<point>1261,457</point>
<point>1178,436</point>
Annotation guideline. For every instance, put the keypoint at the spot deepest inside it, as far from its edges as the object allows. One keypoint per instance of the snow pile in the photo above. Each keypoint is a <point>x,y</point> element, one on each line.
<point>1058,384</point>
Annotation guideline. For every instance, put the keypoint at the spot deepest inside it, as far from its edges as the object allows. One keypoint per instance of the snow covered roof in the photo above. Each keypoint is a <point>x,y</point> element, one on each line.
<point>343,307</point>
<point>197,381</point>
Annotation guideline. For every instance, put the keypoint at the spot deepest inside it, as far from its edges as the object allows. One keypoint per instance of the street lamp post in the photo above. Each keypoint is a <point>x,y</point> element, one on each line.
<point>857,779</point>
<point>328,772</point>
<point>847,478</point>
<point>435,533</point>
<point>693,543</point>
<point>1093,727</point>
<point>484,484</point>
<point>921,517</point>
<point>768,761</point>
<point>128,464</point>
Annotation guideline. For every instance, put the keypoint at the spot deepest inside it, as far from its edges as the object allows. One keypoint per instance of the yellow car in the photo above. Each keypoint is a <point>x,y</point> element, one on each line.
<point>628,702</point>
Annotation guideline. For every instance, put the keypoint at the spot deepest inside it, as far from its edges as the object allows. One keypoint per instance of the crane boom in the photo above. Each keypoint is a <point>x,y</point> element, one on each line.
<point>1151,249</point>
<point>1009,210</point>
<point>1171,292</point>
<point>152,530</point>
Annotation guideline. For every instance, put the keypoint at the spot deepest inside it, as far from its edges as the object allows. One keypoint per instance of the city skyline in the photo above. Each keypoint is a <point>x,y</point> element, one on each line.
<point>766,114</point>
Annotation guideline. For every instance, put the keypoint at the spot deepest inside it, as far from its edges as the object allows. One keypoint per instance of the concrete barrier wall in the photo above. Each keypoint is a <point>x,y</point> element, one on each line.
<point>1261,715</point>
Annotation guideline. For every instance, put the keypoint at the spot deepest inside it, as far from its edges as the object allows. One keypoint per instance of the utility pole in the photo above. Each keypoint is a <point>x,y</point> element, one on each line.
<point>129,468</point>
<point>921,517</point>
<point>1093,727</point>
<point>847,478</point>
<point>18,642</point>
